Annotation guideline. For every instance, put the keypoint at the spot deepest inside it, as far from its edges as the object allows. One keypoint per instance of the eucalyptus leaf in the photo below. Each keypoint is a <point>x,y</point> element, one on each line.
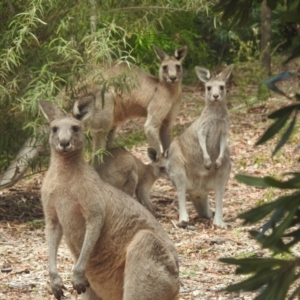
<point>252,181</point>
<point>284,111</point>
<point>273,129</point>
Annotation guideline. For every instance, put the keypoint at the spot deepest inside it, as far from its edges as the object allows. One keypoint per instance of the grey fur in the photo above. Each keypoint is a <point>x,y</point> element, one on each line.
<point>198,161</point>
<point>121,252</point>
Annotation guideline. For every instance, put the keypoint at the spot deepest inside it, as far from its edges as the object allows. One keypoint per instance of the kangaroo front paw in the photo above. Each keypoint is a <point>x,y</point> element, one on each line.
<point>57,286</point>
<point>218,164</point>
<point>207,163</point>
<point>80,282</point>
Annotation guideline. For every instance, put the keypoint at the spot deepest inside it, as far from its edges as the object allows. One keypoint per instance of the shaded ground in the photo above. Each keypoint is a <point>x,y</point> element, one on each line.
<point>23,251</point>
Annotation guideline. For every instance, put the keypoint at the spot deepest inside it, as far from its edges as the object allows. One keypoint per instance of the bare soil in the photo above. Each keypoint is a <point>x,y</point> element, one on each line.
<point>23,250</point>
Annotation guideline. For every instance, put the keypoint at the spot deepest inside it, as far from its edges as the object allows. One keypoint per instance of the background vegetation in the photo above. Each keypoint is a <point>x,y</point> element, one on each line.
<point>49,45</point>
<point>277,223</point>
<point>46,46</point>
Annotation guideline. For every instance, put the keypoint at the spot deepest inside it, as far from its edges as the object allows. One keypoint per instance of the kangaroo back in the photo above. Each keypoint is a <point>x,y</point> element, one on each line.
<point>124,171</point>
<point>156,98</point>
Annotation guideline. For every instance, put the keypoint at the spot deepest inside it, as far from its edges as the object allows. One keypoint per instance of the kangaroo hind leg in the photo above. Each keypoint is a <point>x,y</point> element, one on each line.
<point>151,269</point>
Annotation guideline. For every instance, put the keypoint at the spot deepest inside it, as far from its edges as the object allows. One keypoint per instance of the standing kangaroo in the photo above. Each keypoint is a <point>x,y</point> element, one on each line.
<point>198,161</point>
<point>126,172</point>
<point>121,252</point>
<point>157,99</point>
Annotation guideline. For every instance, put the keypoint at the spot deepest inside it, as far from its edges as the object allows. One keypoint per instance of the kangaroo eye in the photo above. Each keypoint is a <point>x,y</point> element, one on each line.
<point>165,68</point>
<point>178,68</point>
<point>162,169</point>
<point>222,87</point>
<point>75,128</point>
<point>54,129</point>
<point>208,88</point>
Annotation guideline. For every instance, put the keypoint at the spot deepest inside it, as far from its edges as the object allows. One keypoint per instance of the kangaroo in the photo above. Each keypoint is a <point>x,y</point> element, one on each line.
<point>198,161</point>
<point>126,172</point>
<point>121,251</point>
<point>157,99</point>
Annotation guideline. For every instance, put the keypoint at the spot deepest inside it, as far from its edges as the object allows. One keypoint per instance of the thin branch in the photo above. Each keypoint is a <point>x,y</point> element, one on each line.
<point>12,183</point>
<point>275,49</point>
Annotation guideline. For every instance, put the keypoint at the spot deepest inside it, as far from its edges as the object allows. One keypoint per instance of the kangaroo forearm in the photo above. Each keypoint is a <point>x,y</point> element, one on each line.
<point>54,235</point>
<point>153,139</point>
<point>165,137</point>
<point>223,144</point>
<point>91,236</point>
<point>202,143</point>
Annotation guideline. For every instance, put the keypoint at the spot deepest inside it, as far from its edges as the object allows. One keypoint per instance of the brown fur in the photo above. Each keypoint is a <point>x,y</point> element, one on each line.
<point>198,161</point>
<point>157,99</point>
<point>124,171</point>
<point>120,250</point>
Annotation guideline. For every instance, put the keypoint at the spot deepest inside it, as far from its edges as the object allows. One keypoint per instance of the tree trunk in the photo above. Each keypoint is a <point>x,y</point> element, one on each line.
<point>93,16</point>
<point>27,154</point>
<point>266,35</point>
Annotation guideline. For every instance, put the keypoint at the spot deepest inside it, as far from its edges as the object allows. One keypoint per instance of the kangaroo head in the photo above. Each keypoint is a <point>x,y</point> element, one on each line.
<point>171,68</point>
<point>215,86</point>
<point>158,164</point>
<point>66,133</point>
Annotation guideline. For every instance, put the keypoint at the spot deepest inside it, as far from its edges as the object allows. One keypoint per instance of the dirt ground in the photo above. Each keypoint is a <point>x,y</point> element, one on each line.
<point>23,250</point>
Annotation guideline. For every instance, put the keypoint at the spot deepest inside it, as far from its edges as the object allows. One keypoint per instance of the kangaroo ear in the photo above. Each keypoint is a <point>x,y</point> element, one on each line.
<point>181,53</point>
<point>224,75</point>
<point>83,107</point>
<point>160,54</point>
<point>152,154</point>
<point>49,111</point>
<point>203,74</point>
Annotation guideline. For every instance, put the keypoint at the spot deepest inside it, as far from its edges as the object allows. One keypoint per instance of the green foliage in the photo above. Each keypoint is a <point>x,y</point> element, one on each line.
<point>136,136</point>
<point>249,78</point>
<point>239,13</point>
<point>262,92</point>
<point>274,278</point>
<point>47,46</point>
<point>271,287</point>
<point>279,233</point>
<point>282,117</point>
<point>42,50</point>
<point>36,224</point>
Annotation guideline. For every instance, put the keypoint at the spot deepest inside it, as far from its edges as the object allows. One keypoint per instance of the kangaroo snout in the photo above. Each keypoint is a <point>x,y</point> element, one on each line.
<point>64,145</point>
<point>216,96</point>
<point>173,78</point>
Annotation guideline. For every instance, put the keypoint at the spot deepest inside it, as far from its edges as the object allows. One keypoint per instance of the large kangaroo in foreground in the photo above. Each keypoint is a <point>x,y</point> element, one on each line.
<point>157,99</point>
<point>198,161</point>
<point>126,172</point>
<point>121,252</point>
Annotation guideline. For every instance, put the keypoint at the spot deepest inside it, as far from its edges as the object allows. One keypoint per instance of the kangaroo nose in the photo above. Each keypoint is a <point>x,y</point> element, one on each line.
<point>173,78</point>
<point>216,96</point>
<point>64,144</point>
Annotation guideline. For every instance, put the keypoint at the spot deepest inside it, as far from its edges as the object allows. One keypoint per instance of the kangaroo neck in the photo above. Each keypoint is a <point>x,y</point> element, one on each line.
<point>171,86</point>
<point>218,107</point>
<point>71,161</point>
